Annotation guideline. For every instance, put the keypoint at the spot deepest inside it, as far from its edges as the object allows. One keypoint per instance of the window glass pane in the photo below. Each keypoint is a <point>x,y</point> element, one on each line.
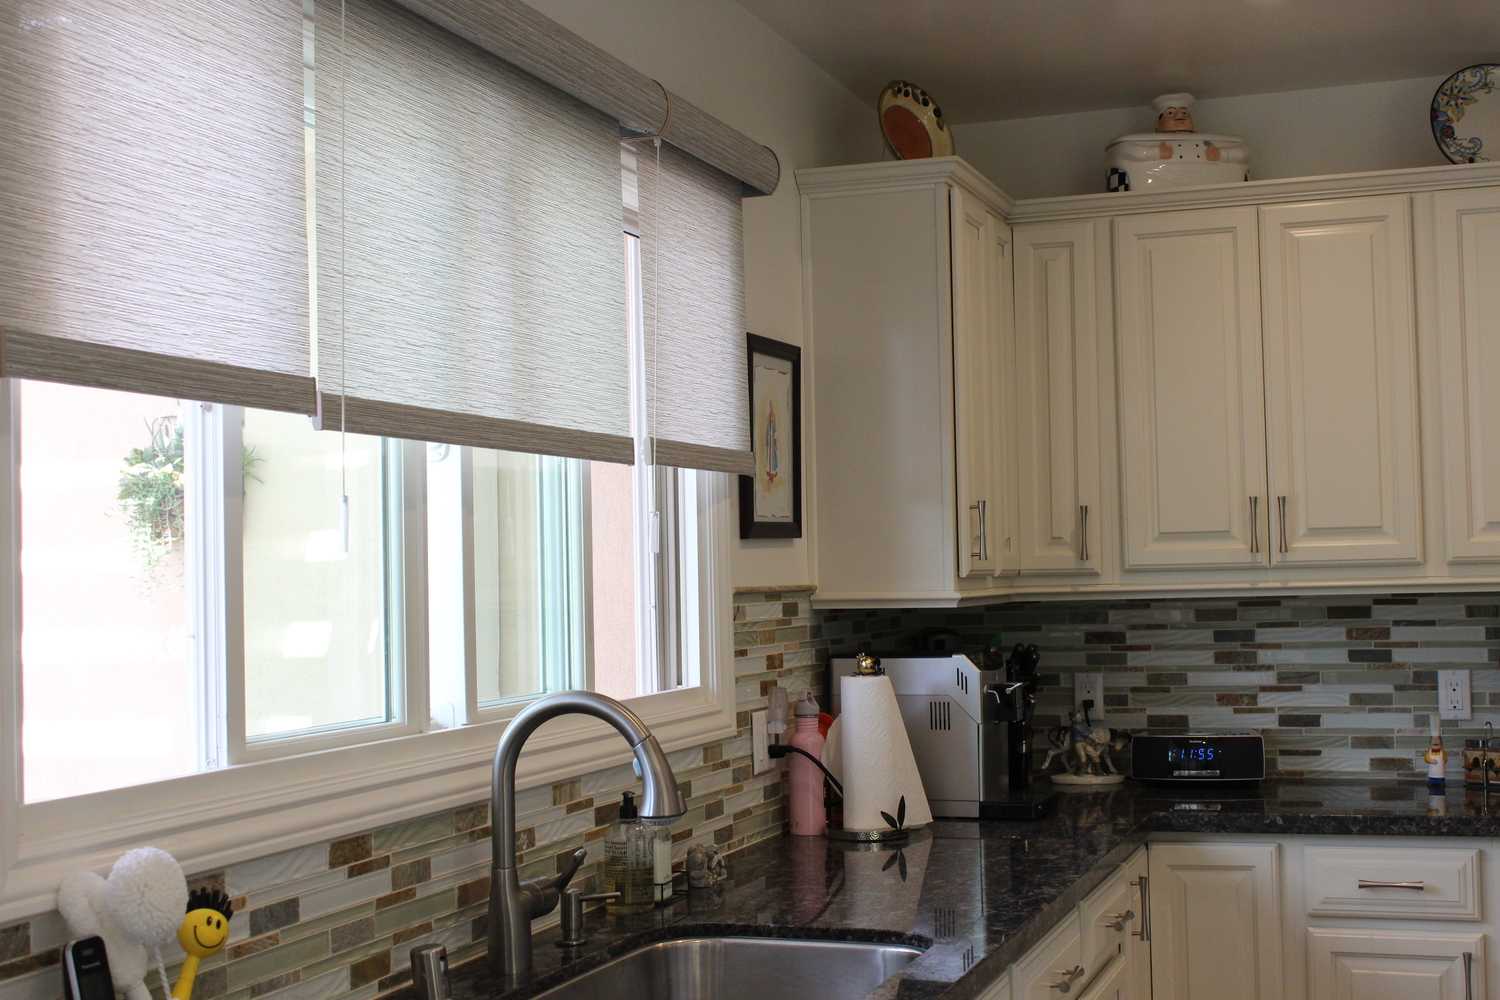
<point>612,578</point>
<point>317,635</point>
<point>106,653</point>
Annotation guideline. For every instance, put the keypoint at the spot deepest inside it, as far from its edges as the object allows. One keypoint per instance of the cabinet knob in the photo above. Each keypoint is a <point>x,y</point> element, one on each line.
<point>1069,977</point>
<point>1117,921</point>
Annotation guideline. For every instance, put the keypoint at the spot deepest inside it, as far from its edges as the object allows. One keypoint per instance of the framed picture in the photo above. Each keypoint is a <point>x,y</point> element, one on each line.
<point>771,500</point>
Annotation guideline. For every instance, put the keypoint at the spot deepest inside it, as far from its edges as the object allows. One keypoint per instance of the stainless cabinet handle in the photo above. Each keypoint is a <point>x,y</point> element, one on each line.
<point>1083,532</point>
<point>979,553</point>
<point>1254,526</point>
<point>1366,883</point>
<point>1117,921</point>
<point>1468,975</point>
<point>984,530</point>
<point>1281,509</point>
<point>1144,883</point>
<point>1069,977</point>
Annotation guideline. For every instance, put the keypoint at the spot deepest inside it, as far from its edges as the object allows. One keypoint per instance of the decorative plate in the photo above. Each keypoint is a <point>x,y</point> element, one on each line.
<point>912,122</point>
<point>1466,114</point>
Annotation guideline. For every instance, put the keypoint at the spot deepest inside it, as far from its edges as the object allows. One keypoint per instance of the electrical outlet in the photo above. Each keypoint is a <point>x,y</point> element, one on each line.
<point>760,756</point>
<point>1453,695</point>
<point>1089,687</point>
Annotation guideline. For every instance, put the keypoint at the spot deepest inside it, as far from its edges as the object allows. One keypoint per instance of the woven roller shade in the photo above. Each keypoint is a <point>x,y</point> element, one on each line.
<point>476,251</point>
<point>692,263</point>
<point>524,37</point>
<point>151,191</point>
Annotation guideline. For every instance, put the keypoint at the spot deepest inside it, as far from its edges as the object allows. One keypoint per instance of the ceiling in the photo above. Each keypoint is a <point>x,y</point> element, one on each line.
<point>1017,58</point>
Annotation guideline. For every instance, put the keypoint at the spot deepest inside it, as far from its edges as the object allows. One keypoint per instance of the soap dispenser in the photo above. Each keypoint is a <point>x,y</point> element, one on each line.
<point>627,858</point>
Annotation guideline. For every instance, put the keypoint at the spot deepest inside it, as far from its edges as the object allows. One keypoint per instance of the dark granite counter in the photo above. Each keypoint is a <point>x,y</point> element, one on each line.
<point>976,896</point>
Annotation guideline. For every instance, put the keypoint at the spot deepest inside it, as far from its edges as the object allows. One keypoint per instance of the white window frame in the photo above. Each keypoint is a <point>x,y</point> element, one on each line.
<point>253,809</point>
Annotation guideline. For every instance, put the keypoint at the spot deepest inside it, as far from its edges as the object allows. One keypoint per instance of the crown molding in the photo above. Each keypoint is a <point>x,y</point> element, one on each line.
<point>895,175</point>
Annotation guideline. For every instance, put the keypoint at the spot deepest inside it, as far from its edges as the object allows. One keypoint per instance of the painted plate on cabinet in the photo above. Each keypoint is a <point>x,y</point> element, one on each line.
<point>912,122</point>
<point>1466,114</point>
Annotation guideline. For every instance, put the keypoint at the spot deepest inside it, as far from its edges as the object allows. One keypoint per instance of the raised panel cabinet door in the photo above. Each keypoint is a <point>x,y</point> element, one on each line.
<point>1467,266</point>
<point>1192,405</point>
<point>1006,520</point>
<point>973,387</point>
<point>1341,399</point>
<point>1057,397</point>
<point>1215,922</point>
<point>1394,965</point>
<point>1138,937</point>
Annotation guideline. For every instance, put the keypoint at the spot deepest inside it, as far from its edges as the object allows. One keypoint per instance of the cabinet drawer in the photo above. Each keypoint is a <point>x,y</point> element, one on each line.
<point>1357,965</point>
<point>1108,916</point>
<point>1397,882</point>
<point>1054,968</point>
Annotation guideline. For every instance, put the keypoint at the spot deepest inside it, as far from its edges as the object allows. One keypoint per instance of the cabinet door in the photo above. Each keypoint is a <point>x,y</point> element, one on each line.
<point>1005,522</point>
<point>1057,396</point>
<point>1054,967</point>
<point>1192,407</point>
<point>1215,922</point>
<point>973,386</point>
<point>1466,262</point>
<point>1394,965</point>
<point>1138,937</point>
<point>1341,402</point>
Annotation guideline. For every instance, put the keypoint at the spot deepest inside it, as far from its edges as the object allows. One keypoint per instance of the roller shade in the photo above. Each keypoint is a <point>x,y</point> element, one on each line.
<point>693,273</point>
<point>151,191</point>
<point>473,265</point>
<point>525,38</point>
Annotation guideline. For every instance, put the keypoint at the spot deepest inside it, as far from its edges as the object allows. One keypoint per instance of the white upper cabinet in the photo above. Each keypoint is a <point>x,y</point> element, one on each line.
<point>1192,428</point>
<point>975,369</point>
<point>1057,396</point>
<point>1341,397</point>
<point>1466,267</point>
<point>1006,521</point>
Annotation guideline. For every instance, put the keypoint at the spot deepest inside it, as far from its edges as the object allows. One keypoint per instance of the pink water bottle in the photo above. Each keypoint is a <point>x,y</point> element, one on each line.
<point>808,816</point>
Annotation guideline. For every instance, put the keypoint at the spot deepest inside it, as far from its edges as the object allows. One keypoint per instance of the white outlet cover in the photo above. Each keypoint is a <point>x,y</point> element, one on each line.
<point>1454,699</point>
<point>760,755</point>
<point>1089,686</point>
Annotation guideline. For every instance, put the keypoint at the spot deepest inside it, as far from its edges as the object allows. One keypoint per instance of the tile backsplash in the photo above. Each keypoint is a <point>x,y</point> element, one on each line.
<point>1341,686</point>
<point>337,919</point>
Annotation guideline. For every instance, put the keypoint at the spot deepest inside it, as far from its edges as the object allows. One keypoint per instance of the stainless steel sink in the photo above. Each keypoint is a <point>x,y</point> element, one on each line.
<point>731,968</point>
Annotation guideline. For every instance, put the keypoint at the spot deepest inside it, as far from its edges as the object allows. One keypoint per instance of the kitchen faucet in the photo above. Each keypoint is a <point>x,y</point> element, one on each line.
<point>513,903</point>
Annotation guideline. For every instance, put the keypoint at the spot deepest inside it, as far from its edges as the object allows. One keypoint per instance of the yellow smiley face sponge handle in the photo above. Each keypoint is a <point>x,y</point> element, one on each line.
<point>203,931</point>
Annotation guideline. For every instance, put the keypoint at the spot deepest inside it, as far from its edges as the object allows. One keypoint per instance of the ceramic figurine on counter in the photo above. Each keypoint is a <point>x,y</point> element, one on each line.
<point>1436,758</point>
<point>1085,752</point>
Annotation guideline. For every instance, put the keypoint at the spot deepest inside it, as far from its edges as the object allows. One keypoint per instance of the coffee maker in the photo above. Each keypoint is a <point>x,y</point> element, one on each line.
<point>970,728</point>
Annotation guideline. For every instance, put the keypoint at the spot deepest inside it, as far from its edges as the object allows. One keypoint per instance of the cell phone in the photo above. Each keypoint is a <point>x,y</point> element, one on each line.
<point>86,970</point>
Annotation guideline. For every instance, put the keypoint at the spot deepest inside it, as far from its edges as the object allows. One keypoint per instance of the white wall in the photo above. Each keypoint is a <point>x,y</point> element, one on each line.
<point>1370,126</point>
<point>720,57</point>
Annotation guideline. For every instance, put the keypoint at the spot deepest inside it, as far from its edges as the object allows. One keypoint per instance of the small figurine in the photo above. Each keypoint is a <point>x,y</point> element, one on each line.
<point>1175,154</point>
<point>706,867</point>
<point>1437,759</point>
<point>202,933</point>
<point>1085,752</point>
<point>1174,113</point>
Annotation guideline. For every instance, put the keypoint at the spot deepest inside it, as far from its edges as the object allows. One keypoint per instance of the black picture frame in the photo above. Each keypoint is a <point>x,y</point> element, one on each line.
<point>750,526</point>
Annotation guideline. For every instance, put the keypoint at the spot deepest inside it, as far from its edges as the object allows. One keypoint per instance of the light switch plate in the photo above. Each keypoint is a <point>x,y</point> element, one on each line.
<point>760,756</point>
<point>1089,687</point>
<point>1454,701</point>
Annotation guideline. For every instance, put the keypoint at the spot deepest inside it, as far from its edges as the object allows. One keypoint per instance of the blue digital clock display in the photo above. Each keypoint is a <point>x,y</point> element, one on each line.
<point>1190,754</point>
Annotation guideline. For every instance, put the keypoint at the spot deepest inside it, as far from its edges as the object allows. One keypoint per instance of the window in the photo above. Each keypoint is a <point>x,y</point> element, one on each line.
<point>194,596</point>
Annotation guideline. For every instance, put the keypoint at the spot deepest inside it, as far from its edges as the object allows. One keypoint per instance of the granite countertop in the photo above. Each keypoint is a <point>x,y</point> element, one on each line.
<point>974,895</point>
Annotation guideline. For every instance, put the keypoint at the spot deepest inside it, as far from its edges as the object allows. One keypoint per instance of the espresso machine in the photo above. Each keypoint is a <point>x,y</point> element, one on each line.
<point>970,728</point>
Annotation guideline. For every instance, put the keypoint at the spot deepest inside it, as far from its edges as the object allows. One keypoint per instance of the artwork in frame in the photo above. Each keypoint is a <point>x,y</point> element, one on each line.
<point>771,500</point>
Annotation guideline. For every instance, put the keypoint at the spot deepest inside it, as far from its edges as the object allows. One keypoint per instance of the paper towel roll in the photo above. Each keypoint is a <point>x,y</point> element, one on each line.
<point>875,757</point>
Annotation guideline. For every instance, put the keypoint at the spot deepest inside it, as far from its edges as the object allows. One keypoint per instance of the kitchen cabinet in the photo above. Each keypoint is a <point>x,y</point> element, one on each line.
<point>981,305</point>
<point>1462,271</point>
<point>1055,966</point>
<point>1215,919</point>
<point>1192,410</point>
<point>907,278</point>
<point>1057,303</point>
<point>1360,964</point>
<point>1113,984</point>
<point>1341,381</point>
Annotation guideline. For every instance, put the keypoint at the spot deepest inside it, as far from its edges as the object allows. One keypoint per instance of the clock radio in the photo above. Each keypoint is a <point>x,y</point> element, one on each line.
<point>1237,757</point>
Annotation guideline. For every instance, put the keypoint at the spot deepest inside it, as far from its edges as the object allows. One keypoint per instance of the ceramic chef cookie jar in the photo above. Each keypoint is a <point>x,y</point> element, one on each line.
<point>1175,155</point>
